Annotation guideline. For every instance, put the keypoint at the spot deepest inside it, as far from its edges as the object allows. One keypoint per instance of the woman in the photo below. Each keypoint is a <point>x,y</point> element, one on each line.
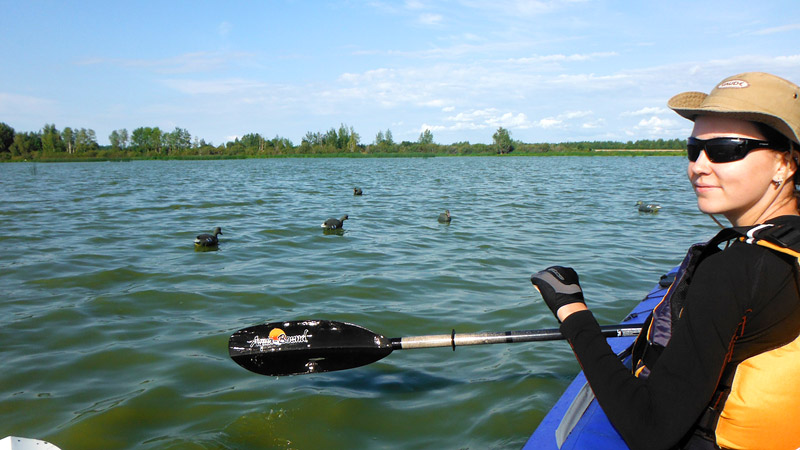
<point>718,362</point>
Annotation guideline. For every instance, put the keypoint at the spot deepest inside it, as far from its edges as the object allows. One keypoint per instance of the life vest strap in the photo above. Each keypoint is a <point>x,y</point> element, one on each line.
<point>781,238</point>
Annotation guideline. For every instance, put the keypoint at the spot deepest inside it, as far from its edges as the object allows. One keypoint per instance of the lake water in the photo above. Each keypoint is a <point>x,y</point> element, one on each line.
<point>114,330</point>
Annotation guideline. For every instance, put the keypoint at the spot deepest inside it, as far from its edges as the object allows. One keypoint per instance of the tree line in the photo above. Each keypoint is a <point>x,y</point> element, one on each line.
<point>152,142</point>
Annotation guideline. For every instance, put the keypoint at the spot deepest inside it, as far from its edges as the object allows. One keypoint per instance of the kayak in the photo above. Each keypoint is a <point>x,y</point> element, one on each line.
<point>576,421</point>
<point>20,443</point>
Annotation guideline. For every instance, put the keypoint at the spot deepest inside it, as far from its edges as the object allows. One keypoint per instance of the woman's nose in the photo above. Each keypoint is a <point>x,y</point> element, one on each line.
<point>702,164</point>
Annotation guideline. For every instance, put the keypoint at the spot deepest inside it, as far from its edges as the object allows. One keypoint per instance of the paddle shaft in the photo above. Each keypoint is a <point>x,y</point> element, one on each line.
<point>503,337</point>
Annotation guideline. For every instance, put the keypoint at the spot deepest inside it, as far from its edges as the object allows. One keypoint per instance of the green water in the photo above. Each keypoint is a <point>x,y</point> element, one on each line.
<point>114,330</point>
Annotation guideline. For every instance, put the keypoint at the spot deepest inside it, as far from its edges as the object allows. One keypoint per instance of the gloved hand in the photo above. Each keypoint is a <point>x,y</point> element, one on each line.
<point>559,286</point>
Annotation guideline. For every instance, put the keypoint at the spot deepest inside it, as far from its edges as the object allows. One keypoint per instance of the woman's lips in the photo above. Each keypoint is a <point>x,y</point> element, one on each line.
<point>702,187</point>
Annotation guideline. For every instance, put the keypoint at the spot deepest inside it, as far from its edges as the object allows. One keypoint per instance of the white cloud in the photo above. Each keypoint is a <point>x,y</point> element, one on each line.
<point>509,120</point>
<point>215,87</point>
<point>481,119</point>
<point>791,60</point>
<point>493,118</point>
<point>779,29</point>
<point>186,63</point>
<point>576,57</point>
<point>12,105</point>
<point>560,121</point>
<point>656,126</point>
<point>646,111</point>
<point>522,8</point>
<point>414,4</point>
<point>575,114</point>
<point>435,103</point>
<point>656,122</point>
<point>434,127</point>
<point>368,76</point>
<point>549,123</point>
<point>430,19</point>
<point>590,80</point>
<point>593,125</point>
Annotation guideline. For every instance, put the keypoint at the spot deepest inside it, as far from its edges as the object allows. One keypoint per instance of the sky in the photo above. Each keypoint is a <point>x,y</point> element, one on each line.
<point>545,70</point>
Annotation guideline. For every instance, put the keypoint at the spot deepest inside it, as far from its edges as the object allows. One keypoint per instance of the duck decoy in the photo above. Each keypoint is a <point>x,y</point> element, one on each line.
<point>208,240</point>
<point>445,216</point>
<point>357,191</point>
<point>334,224</point>
<point>648,207</point>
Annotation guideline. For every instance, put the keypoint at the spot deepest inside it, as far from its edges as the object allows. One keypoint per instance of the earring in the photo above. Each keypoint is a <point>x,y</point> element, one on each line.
<point>777,183</point>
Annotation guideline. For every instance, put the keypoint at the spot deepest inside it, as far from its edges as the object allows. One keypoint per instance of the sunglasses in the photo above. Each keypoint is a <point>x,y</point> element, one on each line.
<point>725,149</point>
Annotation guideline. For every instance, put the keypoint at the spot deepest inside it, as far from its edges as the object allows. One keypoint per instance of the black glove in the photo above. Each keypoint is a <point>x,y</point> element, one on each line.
<point>559,286</point>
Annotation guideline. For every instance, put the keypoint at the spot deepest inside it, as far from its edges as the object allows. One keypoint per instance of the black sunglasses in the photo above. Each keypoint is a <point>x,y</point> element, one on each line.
<point>725,149</point>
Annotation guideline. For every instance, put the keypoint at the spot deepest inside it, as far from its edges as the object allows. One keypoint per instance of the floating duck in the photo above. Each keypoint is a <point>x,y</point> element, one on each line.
<point>357,191</point>
<point>334,224</point>
<point>208,240</point>
<point>648,207</point>
<point>445,216</point>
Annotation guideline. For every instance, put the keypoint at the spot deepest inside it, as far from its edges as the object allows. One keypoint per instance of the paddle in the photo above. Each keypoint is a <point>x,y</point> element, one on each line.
<point>313,346</point>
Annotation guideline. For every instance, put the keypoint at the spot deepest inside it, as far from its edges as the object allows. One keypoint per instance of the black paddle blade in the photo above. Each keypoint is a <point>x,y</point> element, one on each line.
<point>307,346</point>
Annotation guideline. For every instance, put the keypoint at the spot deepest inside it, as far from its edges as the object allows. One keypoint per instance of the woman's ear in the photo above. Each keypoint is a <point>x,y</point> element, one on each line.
<point>788,164</point>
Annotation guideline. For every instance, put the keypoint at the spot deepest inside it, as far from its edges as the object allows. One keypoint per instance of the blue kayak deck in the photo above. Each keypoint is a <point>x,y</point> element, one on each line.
<point>592,429</point>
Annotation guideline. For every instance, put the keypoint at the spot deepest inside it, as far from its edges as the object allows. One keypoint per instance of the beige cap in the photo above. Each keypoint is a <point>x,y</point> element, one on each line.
<point>754,96</point>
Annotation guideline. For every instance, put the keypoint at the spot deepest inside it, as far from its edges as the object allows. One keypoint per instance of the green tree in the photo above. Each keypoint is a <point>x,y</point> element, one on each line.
<point>342,137</point>
<point>330,139</point>
<point>26,144</point>
<point>312,138</point>
<point>51,139</point>
<point>114,139</point>
<point>119,139</point>
<point>68,137</point>
<point>347,138</point>
<point>353,140</point>
<point>140,137</point>
<point>124,138</point>
<point>6,137</point>
<point>146,139</point>
<point>426,137</point>
<point>85,140</point>
<point>281,145</point>
<point>388,137</point>
<point>502,141</point>
<point>254,142</point>
<point>177,140</point>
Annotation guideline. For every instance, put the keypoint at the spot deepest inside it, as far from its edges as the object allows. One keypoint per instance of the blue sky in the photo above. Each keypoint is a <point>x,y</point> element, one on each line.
<point>548,70</point>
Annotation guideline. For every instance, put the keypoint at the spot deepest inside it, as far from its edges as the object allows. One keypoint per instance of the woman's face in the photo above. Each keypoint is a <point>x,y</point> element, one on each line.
<point>740,190</point>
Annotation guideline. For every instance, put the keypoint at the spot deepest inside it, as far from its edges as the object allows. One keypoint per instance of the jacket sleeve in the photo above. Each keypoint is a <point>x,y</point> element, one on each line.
<point>644,418</point>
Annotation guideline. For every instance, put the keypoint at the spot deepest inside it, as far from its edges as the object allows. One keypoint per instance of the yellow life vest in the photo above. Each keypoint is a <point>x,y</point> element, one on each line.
<point>761,410</point>
<point>763,407</point>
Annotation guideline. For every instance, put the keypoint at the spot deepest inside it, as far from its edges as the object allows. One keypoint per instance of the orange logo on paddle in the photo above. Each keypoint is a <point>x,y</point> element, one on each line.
<point>276,334</point>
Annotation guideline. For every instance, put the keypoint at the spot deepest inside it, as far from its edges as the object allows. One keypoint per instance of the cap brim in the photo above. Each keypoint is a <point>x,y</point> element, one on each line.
<point>692,104</point>
<point>687,104</point>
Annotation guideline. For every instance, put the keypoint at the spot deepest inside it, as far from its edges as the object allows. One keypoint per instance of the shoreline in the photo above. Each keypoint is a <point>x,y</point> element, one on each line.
<point>590,153</point>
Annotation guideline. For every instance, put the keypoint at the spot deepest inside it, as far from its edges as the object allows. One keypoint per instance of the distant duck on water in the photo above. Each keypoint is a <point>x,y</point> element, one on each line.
<point>334,224</point>
<point>648,207</point>
<point>445,216</point>
<point>357,191</point>
<point>208,240</point>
